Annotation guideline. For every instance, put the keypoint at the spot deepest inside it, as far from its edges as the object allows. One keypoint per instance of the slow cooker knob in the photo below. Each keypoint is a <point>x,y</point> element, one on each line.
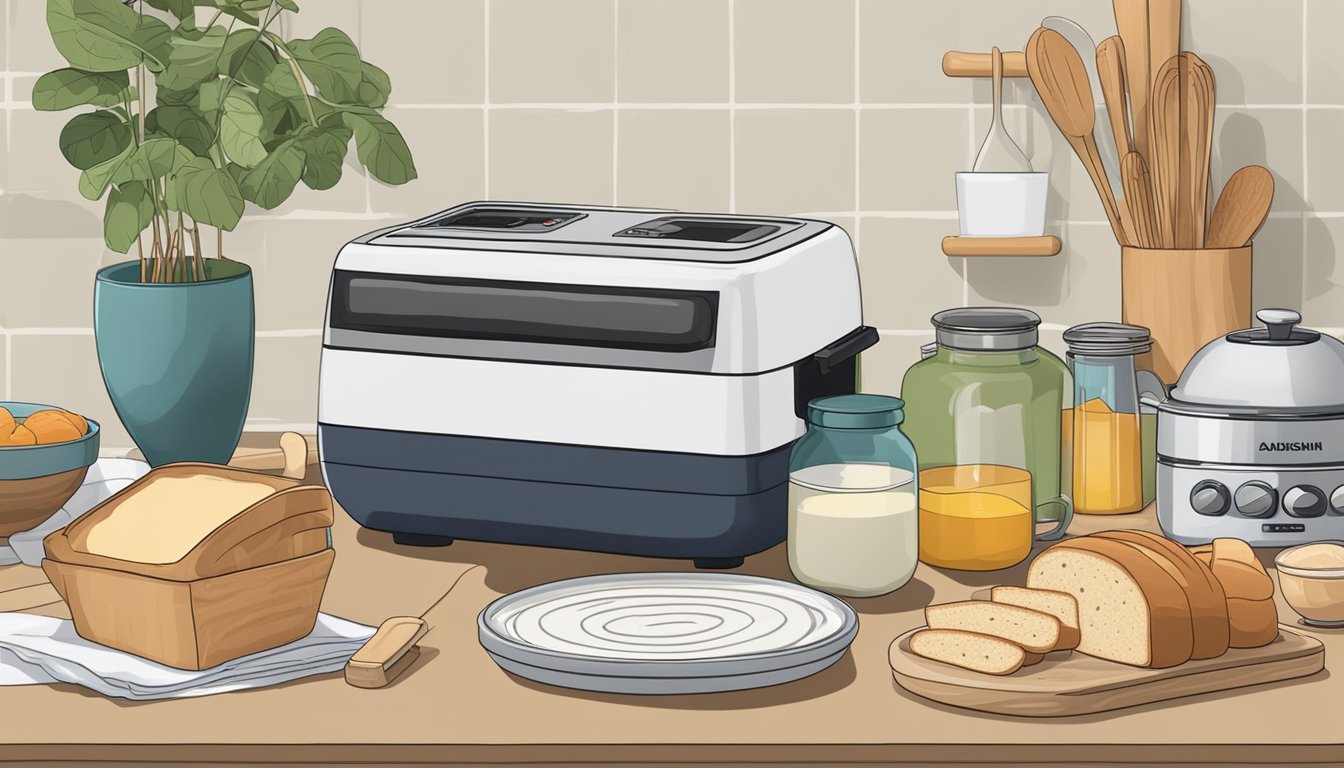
<point>1304,501</point>
<point>1256,499</point>
<point>1337,501</point>
<point>1211,498</point>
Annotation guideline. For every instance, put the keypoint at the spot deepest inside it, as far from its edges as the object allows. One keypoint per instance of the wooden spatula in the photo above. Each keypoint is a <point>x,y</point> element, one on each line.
<point>1242,208</point>
<point>1196,130</point>
<point>1131,21</point>
<point>1057,71</point>
<point>1111,70</point>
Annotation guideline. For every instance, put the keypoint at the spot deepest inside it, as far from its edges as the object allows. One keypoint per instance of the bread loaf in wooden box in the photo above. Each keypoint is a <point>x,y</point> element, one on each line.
<point>195,565</point>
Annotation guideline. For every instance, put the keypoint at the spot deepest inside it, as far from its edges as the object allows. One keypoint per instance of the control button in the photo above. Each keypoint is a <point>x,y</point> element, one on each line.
<point>1211,498</point>
<point>1337,501</point>
<point>1256,499</point>
<point>1304,501</point>
<point>1283,528</point>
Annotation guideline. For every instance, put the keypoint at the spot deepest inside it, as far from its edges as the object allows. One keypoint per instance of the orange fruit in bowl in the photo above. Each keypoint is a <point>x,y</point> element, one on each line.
<point>20,436</point>
<point>7,423</point>
<point>53,426</point>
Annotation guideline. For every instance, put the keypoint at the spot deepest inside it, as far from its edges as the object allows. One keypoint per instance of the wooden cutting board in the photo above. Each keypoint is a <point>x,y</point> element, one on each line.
<point>1081,685</point>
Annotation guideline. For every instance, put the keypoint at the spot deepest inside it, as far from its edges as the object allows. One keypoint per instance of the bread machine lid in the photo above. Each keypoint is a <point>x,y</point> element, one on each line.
<point>603,232</point>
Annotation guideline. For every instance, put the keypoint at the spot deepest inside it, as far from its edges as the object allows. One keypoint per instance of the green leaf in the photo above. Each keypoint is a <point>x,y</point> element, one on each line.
<point>210,98</point>
<point>375,87</point>
<point>66,88</point>
<point>193,59</point>
<point>185,124</point>
<point>240,129</point>
<point>183,9</point>
<point>93,181</point>
<point>93,137</point>
<point>246,58</point>
<point>381,148</point>
<point>289,5</point>
<point>105,35</point>
<point>128,213</point>
<point>331,61</point>
<point>272,181</point>
<point>155,158</point>
<point>207,194</point>
<point>325,149</point>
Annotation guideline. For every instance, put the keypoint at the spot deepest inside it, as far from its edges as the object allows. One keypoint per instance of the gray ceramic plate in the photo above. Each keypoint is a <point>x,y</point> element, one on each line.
<point>667,633</point>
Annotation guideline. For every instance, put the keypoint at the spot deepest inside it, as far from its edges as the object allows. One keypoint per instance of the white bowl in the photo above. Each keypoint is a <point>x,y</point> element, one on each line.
<point>1002,204</point>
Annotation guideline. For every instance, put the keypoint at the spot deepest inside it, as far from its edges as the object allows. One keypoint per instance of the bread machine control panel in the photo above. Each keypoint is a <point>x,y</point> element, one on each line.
<point>1265,507</point>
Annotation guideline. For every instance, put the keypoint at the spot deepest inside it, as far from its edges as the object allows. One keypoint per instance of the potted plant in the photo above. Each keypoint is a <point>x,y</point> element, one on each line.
<point>192,122</point>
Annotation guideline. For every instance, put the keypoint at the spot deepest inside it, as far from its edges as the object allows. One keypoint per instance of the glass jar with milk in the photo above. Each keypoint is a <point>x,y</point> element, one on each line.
<point>853,497</point>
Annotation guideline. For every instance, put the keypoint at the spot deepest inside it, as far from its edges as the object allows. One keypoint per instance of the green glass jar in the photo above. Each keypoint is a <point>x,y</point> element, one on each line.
<point>986,413</point>
<point>853,528</point>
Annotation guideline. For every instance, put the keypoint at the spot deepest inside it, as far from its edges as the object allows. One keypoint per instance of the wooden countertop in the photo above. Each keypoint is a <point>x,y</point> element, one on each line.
<point>455,706</point>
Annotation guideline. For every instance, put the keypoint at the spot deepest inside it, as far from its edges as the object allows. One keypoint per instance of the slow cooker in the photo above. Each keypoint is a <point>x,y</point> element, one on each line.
<point>1250,442</point>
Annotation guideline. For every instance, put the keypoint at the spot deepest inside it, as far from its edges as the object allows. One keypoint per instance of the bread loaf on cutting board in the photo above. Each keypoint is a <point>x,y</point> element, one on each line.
<point>1208,603</point>
<point>1130,608</point>
<point>1253,618</point>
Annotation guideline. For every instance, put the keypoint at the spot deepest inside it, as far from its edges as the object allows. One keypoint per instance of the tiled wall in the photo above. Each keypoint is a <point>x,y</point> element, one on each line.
<point>830,108</point>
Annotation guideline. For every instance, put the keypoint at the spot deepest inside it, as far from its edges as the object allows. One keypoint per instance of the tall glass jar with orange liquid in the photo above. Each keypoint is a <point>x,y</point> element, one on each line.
<point>1113,436</point>
<point>985,412</point>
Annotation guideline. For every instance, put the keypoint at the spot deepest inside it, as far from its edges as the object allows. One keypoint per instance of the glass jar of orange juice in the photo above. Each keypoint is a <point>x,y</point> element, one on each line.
<point>985,413</point>
<point>1114,438</point>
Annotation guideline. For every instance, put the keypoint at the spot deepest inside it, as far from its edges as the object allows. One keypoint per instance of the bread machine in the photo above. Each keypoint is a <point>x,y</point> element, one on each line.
<point>607,379</point>
<point>1250,444</point>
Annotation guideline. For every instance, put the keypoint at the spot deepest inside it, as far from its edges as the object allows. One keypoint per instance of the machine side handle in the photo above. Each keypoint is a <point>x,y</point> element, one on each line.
<point>846,347</point>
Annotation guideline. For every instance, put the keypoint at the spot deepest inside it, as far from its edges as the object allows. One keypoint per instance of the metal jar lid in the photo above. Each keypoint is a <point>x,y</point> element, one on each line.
<point>1115,339</point>
<point>987,328</point>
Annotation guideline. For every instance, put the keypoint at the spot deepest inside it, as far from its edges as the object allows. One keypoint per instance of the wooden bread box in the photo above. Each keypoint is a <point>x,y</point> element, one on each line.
<point>194,565</point>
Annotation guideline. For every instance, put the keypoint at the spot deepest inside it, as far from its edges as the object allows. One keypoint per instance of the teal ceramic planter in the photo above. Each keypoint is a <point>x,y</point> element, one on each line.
<point>177,359</point>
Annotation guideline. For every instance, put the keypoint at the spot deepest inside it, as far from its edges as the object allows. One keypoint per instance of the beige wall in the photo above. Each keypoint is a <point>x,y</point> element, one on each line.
<point>828,108</point>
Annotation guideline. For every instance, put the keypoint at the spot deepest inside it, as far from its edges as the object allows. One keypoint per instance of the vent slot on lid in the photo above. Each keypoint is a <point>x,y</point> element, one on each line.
<point>702,230</point>
<point>507,219</point>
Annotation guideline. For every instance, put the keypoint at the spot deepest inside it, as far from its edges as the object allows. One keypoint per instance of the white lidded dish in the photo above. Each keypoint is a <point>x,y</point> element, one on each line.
<point>1250,443</point>
<point>667,633</point>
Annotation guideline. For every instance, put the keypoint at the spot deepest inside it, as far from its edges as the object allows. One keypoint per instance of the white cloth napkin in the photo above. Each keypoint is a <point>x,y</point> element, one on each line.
<point>40,649</point>
<point>106,477</point>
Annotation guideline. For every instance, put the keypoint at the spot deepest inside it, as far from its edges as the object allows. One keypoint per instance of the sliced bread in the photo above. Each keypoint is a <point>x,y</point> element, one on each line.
<point>979,653</point>
<point>1130,609</point>
<point>1035,631</point>
<point>1061,605</point>
<point>1208,604</point>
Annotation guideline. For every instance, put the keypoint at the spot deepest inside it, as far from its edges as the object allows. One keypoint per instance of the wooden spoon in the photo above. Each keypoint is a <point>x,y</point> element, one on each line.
<point>1139,195</point>
<point>1196,131</point>
<point>1242,208</point>
<point>1058,73</point>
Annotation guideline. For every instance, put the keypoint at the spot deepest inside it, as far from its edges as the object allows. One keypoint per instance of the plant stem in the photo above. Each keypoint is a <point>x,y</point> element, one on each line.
<point>199,264</point>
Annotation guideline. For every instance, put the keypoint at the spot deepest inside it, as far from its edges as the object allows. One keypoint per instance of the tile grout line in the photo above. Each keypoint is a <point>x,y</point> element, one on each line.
<point>732,106</point>
<point>1306,194</point>
<point>858,203</point>
<point>485,99</point>
<point>615,100</point>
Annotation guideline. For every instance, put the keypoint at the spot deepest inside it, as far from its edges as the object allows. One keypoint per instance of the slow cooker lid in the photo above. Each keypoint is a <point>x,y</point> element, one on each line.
<point>1275,367</point>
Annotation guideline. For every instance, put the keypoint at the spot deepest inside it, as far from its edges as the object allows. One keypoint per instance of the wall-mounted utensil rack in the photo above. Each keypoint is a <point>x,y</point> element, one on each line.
<point>970,64</point>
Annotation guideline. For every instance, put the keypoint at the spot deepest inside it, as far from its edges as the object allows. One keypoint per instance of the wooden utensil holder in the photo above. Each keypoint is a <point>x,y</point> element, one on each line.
<point>1187,298</point>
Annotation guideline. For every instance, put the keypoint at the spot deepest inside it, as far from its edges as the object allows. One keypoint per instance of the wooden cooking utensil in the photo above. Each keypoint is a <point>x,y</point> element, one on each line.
<point>1164,144</point>
<point>1057,72</point>
<point>1164,32</point>
<point>1196,130</point>
<point>1131,21</point>
<point>1200,130</point>
<point>1242,208</point>
<point>1139,195</point>
<point>1111,70</point>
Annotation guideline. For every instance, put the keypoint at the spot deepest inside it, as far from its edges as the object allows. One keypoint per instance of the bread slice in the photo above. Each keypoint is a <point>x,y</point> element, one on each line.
<point>1036,632</point>
<point>1208,604</point>
<point>1130,609</point>
<point>979,653</point>
<point>1061,605</point>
